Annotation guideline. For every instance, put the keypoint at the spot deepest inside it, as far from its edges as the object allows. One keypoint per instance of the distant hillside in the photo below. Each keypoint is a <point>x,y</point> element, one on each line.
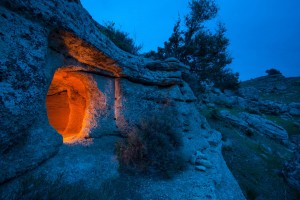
<point>260,126</point>
<point>276,88</point>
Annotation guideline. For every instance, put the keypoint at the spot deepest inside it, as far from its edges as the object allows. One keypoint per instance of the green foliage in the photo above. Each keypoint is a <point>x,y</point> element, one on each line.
<point>272,71</point>
<point>120,38</point>
<point>227,80</point>
<point>154,147</point>
<point>205,51</point>
<point>173,47</point>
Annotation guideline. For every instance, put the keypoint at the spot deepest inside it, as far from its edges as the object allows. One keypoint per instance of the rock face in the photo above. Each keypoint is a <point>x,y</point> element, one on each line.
<point>294,109</point>
<point>254,124</point>
<point>271,95</point>
<point>54,60</point>
<point>264,126</point>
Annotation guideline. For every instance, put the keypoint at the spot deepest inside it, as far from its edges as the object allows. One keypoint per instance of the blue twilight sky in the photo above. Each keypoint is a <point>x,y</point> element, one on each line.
<point>262,33</point>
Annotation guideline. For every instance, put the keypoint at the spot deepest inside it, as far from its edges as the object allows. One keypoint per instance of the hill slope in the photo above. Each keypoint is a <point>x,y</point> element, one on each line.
<point>261,130</point>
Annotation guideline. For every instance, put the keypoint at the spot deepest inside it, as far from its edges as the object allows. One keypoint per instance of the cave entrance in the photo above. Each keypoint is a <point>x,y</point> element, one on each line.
<point>69,104</point>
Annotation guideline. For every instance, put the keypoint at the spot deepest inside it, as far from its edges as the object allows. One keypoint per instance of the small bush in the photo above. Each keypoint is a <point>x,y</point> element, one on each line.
<point>132,152</point>
<point>154,147</point>
<point>214,114</point>
<point>272,71</point>
<point>120,38</point>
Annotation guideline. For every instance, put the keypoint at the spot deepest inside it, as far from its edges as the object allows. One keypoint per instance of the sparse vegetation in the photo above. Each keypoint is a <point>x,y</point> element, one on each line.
<point>204,50</point>
<point>255,161</point>
<point>154,147</point>
<point>120,38</point>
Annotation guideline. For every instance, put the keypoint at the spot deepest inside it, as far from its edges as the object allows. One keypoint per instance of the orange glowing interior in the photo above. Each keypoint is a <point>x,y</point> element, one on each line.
<point>70,106</point>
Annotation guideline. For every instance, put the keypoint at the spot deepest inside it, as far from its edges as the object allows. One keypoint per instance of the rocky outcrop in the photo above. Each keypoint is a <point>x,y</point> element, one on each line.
<point>249,93</point>
<point>264,126</point>
<point>251,123</point>
<point>54,49</point>
<point>270,84</point>
<point>291,170</point>
<point>248,99</point>
<point>294,109</point>
<point>227,117</point>
<point>35,41</point>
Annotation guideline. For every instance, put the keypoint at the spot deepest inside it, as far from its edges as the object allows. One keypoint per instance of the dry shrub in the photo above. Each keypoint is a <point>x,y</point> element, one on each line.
<point>153,148</point>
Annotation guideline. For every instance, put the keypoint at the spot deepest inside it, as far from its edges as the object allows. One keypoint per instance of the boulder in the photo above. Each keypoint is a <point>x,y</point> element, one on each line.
<point>294,109</point>
<point>264,126</point>
<point>249,93</point>
<point>200,168</point>
<point>254,124</point>
<point>271,107</point>
<point>229,118</point>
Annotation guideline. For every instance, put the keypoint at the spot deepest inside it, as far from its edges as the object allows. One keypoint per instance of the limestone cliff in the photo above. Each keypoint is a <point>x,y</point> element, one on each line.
<point>54,49</point>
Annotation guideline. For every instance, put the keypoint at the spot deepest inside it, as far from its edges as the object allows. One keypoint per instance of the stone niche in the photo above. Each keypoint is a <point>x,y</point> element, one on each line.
<point>72,102</point>
<point>76,106</point>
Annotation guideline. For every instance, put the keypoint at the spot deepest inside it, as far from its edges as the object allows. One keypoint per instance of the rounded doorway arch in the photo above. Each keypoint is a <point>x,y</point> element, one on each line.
<point>73,101</point>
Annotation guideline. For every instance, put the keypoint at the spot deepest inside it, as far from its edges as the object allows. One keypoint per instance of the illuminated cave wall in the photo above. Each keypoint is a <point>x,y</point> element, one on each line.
<point>80,102</point>
<point>76,106</point>
<point>106,120</point>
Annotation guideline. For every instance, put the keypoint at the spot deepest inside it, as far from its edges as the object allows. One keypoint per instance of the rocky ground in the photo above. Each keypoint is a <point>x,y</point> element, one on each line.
<point>89,170</point>
<point>260,129</point>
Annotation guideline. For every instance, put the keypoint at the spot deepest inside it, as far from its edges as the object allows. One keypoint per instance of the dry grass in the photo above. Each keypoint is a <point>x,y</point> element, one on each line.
<point>153,148</point>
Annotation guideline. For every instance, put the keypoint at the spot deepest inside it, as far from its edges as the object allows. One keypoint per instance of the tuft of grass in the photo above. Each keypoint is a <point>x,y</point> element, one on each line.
<point>120,38</point>
<point>153,148</point>
<point>288,125</point>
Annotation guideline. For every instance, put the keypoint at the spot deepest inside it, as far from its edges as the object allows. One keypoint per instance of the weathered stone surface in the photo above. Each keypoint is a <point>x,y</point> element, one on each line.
<point>200,168</point>
<point>268,83</point>
<point>264,126</point>
<point>294,109</point>
<point>106,121</point>
<point>36,40</point>
<point>248,98</point>
<point>234,120</point>
<point>39,37</point>
<point>270,107</point>
<point>254,124</point>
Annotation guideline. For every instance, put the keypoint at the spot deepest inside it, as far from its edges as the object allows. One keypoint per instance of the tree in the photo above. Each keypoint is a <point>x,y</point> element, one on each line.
<point>172,48</point>
<point>120,38</point>
<point>272,71</point>
<point>200,48</point>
